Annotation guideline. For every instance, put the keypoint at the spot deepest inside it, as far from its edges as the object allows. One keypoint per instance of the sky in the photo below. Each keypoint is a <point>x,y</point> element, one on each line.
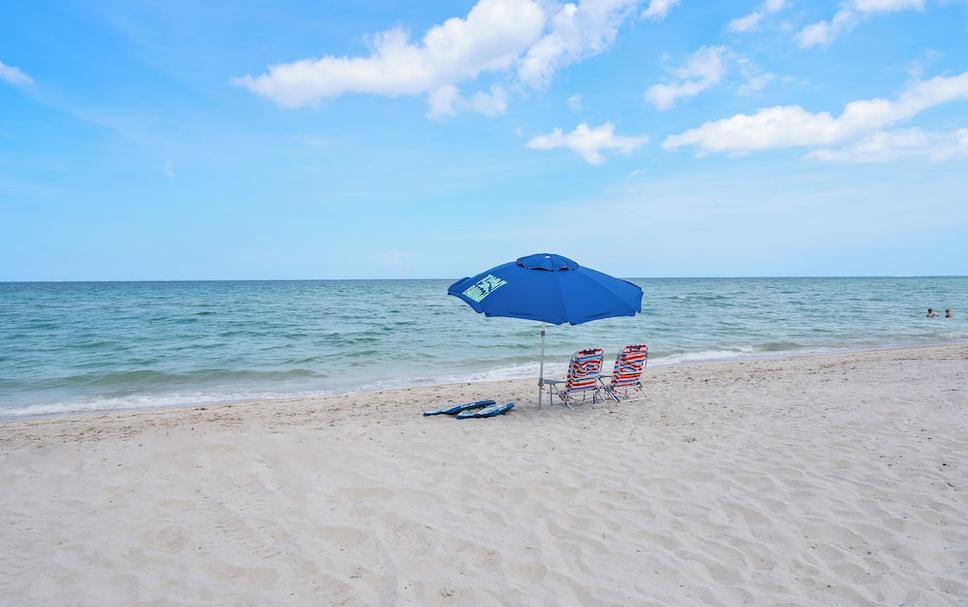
<point>168,140</point>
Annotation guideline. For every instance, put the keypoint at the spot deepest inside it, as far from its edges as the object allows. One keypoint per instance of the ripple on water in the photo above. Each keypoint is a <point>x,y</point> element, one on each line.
<point>74,342</point>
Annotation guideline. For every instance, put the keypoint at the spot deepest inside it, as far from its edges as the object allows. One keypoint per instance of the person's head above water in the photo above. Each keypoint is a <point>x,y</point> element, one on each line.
<point>930,312</point>
<point>947,312</point>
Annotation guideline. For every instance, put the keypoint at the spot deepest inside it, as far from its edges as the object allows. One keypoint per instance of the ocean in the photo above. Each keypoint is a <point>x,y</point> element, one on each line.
<point>71,347</point>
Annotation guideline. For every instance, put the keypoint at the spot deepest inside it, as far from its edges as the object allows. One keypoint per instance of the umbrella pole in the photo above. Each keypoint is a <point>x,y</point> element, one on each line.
<point>541,371</point>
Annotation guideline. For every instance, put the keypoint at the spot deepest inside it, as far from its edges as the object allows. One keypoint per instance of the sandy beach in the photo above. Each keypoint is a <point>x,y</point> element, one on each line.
<point>827,480</point>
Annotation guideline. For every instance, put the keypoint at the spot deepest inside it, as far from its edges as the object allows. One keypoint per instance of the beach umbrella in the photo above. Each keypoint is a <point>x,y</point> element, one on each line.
<point>551,289</point>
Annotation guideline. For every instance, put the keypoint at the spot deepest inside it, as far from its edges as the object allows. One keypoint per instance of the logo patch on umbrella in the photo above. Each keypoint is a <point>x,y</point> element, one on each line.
<point>484,287</point>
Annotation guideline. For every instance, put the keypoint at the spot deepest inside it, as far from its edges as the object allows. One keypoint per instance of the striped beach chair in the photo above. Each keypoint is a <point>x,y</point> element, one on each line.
<point>627,375</point>
<point>582,379</point>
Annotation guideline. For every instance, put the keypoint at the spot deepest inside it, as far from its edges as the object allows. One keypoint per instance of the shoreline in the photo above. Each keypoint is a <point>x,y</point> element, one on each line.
<point>833,479</point>
<point>282,398</point>
<point>524,386</point>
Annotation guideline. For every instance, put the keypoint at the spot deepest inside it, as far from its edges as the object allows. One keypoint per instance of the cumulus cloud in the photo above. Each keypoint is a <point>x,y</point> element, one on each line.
<point>750,22</point>
<point>14,76</point>
<point>793,126</point>
<point>588,143</point>
<point>703,69</point>
<point>577,31</point>
<point>850,14</point>
<point>490,38</point>
<point>886,146</point>
<point>658,9</point>
<point>528,40</point>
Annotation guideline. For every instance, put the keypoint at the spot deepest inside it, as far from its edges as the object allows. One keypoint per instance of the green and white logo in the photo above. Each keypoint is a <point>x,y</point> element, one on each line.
<point>484,287</point>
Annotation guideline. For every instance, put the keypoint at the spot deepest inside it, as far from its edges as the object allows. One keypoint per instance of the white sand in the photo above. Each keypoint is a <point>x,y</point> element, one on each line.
<point>836,480</point>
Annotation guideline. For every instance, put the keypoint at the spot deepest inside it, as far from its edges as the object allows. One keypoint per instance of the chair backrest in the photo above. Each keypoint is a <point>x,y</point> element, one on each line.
<point>583,370</point>
<point>629,365</point>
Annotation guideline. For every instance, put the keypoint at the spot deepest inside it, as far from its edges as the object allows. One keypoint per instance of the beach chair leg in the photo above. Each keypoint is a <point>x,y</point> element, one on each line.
<point>640,396</point>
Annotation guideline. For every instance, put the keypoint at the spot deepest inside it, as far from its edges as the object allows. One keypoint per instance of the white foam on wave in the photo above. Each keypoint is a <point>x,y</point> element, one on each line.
<point>701,356</point>
<point>521,371</point>
<point>745,353</point>
<point>507,372</point>
<point>149,401</point>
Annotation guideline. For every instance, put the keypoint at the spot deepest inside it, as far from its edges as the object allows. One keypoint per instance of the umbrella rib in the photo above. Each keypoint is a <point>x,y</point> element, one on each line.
<point>561,297</point>
<point>617,296</point>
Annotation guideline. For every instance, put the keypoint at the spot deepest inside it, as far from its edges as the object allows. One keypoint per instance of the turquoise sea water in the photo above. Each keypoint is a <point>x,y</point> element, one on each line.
<point>86,346</point>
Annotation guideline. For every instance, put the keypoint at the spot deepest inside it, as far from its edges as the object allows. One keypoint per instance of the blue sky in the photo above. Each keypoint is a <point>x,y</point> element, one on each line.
<point>177,140</point>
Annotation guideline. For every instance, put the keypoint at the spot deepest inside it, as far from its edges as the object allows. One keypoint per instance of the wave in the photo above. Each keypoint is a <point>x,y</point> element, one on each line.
<point>148,388</point>
<point>697,357</point>
<point>153,401</point>
<point>780,346</point>
<point>153,377</point>
<point>519,371</point>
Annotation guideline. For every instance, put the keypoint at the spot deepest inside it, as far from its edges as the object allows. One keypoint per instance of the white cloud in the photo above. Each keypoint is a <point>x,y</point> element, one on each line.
<point>494,102</point>
<point>491,38</point>
<point>916,68</point>
<point>443,101</point>
<point>881,6</point>
<point>823,32</point>
<point>793,126</point>
<point>169,169</point>
<point>589,142</point>
<point>575,102</point>
<point>754,77</point>
<point>886,146</point>
<point>754,82</point>
<point>751,22</point>
<point>703,69</point>
<point>576,31</point>
<point>658,9</point>
<point>447,101</point>
<point>531,39</point>
<point>746,23</point>
<point>14,76</point>
<point>850,13</point>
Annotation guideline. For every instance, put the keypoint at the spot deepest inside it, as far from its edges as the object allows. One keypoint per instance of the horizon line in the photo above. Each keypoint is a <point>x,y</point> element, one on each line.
<point>721,277</point>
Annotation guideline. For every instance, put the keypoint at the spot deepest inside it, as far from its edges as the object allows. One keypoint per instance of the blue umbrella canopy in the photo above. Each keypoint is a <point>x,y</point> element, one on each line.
<point>548,288</point>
